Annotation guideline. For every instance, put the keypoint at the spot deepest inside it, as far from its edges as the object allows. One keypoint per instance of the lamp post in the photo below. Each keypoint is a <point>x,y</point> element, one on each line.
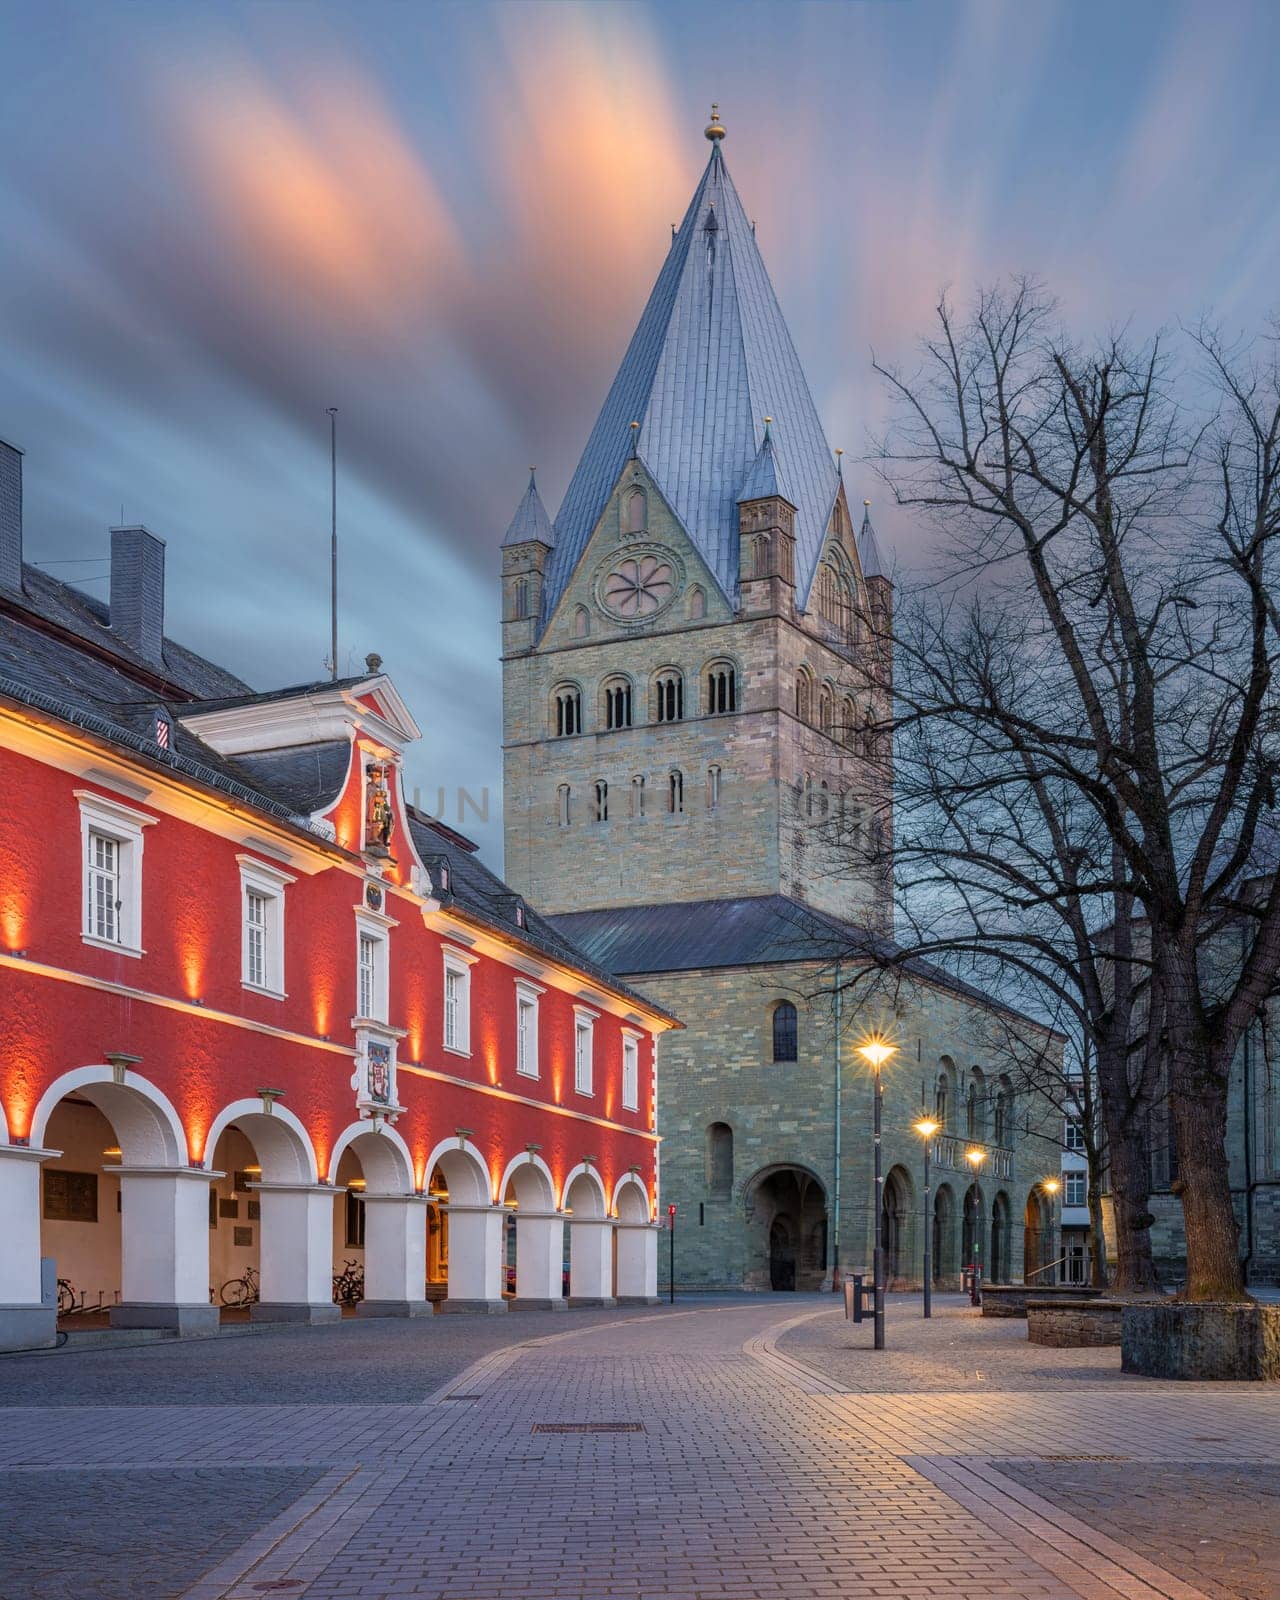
<point>1050,1187</point>
<point>875,1052</point>
<point>975,1158</point>
<point>926,1127</point>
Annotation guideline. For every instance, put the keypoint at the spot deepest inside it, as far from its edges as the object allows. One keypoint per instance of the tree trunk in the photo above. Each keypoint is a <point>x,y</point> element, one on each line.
<point>1130,1174</point>
<point>1097,1234</point>
<point>1198,1109</point>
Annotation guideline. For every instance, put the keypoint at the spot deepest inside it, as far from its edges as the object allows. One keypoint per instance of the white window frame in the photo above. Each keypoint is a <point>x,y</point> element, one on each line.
<point>457,965</point>
<point>256,877</point>
<point>1073,1135</point>
<point>527,1028</point>
<point>368,928</point>
<point>584,1027</point>
<point>631,1069</point>
<point>124,826</point>
<point>1072,1180</point>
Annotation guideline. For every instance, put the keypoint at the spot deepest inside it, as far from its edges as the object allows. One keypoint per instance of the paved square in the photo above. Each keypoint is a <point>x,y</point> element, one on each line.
<point>777,1455</point>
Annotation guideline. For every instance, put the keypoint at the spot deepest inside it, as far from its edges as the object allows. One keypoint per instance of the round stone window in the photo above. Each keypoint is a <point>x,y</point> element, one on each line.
<point>639,585</point>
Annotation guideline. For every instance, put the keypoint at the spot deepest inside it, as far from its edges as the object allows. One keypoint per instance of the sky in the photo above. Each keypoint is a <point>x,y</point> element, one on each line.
<point>217,220</point>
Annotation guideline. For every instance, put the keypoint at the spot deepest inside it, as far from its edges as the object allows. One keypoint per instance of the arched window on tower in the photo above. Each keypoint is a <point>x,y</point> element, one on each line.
<point>669,689</point>
<point>675,791</point>
<point>826,711</point>
<point>720,1158</point>
<point>832,598</point>
<point>760,556</point>
<point>617,703</point>
<point>562,805</point>
<point>846,728</point>
<point>520,598</point>
<point>601,800</point>
<point>581,622</point>
<point>567,710</point>
<point>637,795</point>
<point>785,1031</point>
<point>722,688</point>
<point>713,788</point>
<point>697,603</point>
<point>637,511</point>
<point>804,695</point>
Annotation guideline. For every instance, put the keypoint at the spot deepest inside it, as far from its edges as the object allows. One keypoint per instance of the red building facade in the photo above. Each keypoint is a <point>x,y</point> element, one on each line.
<point>263,1021</point>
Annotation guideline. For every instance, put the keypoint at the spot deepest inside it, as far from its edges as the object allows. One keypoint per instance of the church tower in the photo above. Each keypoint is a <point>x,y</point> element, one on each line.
<point>694,656</point>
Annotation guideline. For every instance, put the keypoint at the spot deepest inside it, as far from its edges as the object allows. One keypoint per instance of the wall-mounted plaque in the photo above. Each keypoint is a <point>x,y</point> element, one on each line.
<point>254,1210</point>
<point>228,1208</point>
<point>242,1236</point>
<point>70,1196</point>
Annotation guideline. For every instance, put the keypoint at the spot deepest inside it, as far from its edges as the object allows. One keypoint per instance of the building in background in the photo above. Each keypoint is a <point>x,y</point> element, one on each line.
<point>265,1023</point>
<point>694,668</point>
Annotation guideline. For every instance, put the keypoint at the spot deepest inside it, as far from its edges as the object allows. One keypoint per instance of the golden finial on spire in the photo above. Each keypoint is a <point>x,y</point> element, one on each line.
<point>715,128</point>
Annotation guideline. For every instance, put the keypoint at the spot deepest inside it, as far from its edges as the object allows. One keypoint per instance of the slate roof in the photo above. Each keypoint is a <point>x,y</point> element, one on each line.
<point>710,359</point>
<point>483,894</point>
<point>305,777</point>
<point>869,557</point>
<point>755,931</point>
<point>531,520</point>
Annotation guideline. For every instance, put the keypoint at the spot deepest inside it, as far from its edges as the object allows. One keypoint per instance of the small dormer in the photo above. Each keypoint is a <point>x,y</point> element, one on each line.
<point>315,713</point>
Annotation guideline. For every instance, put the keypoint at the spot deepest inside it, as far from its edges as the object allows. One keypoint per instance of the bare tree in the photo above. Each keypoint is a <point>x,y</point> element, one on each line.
<point>1118,641</point>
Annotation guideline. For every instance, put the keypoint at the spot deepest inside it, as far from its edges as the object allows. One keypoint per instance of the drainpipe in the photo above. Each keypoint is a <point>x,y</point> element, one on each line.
<point>839,1096</point>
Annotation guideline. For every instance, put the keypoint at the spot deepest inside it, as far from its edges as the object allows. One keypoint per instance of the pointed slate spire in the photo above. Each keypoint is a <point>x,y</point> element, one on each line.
<point>764,480</point>
<point>531,520</point>
<point>873,563</point>
<point>710,355</point>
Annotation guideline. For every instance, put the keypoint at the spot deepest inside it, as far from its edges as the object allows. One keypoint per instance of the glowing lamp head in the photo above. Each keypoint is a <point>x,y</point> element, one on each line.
<point>875,1052</point>
<point>975,1158</point>
<point>1051,1186</point>
<point>927,1127</point>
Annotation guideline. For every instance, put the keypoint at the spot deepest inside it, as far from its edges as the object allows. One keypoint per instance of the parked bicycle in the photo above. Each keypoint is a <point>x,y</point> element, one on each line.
<point>70,1300</point>
<point>348,1285</point>
<point>237,1292</point>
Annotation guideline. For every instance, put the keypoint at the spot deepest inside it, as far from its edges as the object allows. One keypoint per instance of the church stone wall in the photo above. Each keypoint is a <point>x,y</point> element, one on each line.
<point>720,1070</point>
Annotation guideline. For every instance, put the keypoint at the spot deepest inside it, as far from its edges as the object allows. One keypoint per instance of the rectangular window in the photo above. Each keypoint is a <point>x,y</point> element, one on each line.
<point>367,997</point>
<point>527,1030</point>
<point>255,938</point>
<point>583,1033</point>
<point>104,887</point>
<point>111,871</point>
<point>630,1072</point>
<point>355,1221</point>
<point>1074,1139</point>
<point>1075,1189</point>
<point>457,1001</point>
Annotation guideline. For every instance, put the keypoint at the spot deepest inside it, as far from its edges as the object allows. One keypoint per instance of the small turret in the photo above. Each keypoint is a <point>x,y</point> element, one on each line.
<point>766,535</point>
<point>526,546</point>
<point>879,585</point>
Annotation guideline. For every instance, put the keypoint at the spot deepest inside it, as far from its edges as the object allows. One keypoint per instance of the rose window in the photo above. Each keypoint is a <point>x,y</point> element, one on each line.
<point>640,586</point>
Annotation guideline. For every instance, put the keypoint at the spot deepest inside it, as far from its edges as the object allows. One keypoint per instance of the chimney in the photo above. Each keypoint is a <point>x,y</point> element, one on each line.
<point>137,591</point>
<point>10,517</point>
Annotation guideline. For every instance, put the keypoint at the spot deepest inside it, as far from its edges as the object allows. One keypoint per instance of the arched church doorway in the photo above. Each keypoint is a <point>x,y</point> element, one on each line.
<point>787,1230</point>
<point>944,1235</point>
<point>895,1226</point>
<point>1036,1240</point>
<point>1000,1266</point>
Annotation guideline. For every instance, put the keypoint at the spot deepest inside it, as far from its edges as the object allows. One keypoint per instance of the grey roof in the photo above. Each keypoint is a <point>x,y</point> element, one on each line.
<point>483,894</point>
<point>872,562</point>
<point>254,697</point>
<point>764,479</point>
<point>531,520</point>
<point>709,360</point>
<point>760,930</point>
<point>305,777</point>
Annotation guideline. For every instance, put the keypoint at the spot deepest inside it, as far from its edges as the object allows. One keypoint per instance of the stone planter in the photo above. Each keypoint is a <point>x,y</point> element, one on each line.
<point>1012,1299</point>
<point>1202,1341</point>
<point>1075,1323</point>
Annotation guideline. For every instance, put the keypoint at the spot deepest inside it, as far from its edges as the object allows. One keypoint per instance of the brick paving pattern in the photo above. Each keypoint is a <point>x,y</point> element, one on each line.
<point>759,1470</point>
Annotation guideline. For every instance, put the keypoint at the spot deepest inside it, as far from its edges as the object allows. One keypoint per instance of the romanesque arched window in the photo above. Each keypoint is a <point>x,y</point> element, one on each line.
<point>826,710</point>
<point>562,805</point>
<point>760,556</point>
<point>637,795</point>
<point>601,799</point>
<point>675,791</point>
<point>785,1031</point>
<point>722,688</point>
<point>566,712</point>
<point>637,511</point>
<point>520,598</point>
<point>713,788</point>
<point>846,728</point>
<point>719,1158</point>
<point>804,695</point>
<point>617,703</point>
<point>697,603</point>
<point>581,622</point>
<point>832,599</point>
<point>669,696</point>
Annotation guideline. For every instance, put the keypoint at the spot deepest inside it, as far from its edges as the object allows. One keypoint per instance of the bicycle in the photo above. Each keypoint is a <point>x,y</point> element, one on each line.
<point>348,1285</point>
<point>238,1292</point>
<point>69,1301</point>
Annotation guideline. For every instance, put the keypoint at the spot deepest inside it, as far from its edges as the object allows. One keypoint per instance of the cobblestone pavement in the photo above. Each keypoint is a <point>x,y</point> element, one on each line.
<point>710,1453</point>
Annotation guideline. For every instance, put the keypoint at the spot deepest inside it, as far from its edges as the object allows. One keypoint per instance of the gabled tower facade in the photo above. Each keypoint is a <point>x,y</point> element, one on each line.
<point>691,666</point>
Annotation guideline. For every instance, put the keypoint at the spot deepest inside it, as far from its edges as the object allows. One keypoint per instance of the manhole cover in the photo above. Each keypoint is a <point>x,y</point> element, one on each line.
<point>588,1427</point>
<point>1084,1458</point>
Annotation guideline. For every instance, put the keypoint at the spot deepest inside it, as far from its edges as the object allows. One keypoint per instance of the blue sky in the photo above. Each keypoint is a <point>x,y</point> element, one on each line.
<point>444,219</point>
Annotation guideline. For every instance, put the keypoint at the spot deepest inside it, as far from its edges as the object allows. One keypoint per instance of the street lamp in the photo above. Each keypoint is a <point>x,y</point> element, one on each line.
<point>926,1128</point>
<point>1050,1187</point>
<point>975,1158</point>
<point>875,1052</point>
